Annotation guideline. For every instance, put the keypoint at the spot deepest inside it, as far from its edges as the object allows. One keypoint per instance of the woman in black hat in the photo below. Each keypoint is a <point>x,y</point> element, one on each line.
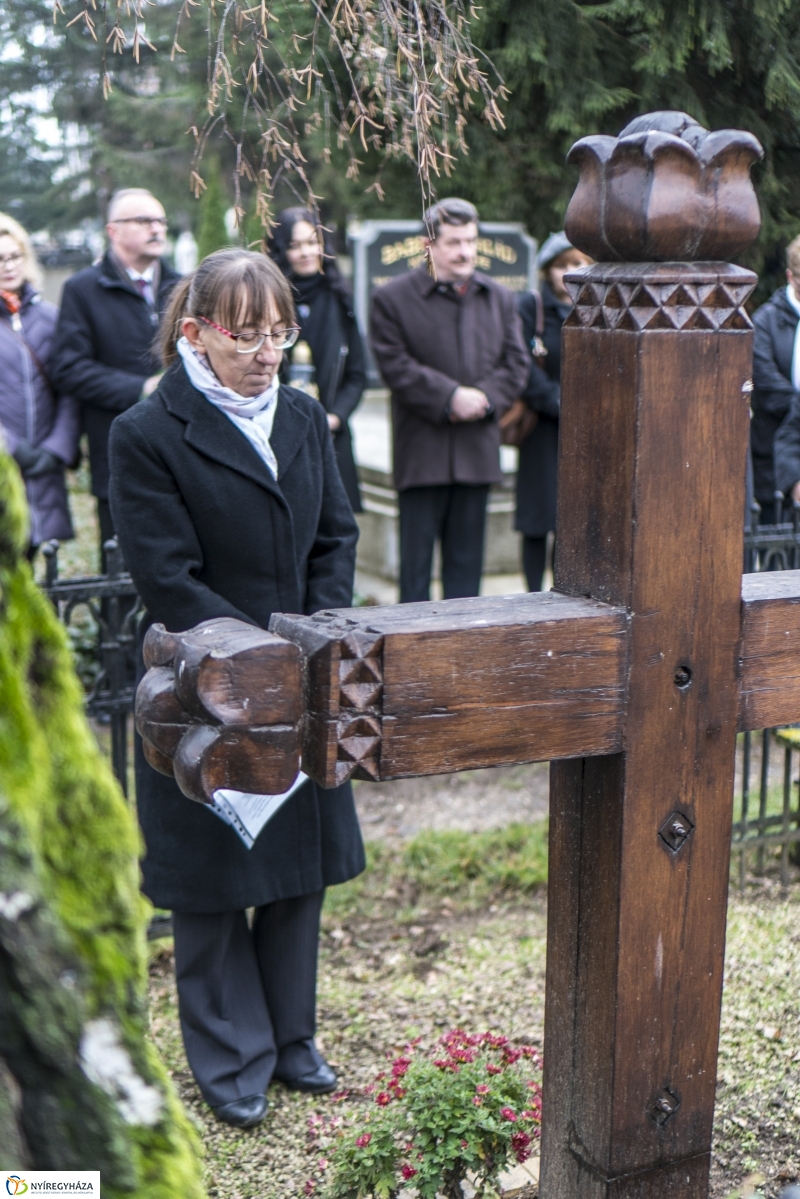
<point>538,454</point>
<point>328,327</point>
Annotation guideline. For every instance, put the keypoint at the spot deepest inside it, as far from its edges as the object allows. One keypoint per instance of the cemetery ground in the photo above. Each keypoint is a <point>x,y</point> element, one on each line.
<point>447,929</point>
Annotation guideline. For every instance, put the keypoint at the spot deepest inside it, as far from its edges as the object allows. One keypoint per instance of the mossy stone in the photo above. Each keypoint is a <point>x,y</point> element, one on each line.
<point>81,1086</point>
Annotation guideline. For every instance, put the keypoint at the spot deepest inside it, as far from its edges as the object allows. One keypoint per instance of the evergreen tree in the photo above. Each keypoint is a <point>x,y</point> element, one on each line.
<point>576,68</point>
<point>212,234</point>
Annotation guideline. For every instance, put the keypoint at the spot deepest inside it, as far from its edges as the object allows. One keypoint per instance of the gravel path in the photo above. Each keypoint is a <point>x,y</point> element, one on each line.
<point>473,800</point>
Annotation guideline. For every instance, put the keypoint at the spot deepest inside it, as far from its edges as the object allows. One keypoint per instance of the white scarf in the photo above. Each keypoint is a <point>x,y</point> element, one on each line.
<point>795,303</point>
<point>253,415</point>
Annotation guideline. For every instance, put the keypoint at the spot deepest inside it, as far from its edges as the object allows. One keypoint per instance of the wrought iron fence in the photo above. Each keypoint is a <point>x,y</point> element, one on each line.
<point>768,802</point>
<point>105,644</point>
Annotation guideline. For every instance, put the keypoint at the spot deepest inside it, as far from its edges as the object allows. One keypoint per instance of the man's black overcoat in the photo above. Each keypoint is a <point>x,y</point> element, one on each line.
<point>206,531</point>
<point>538,455</point>
<point>104,349</point>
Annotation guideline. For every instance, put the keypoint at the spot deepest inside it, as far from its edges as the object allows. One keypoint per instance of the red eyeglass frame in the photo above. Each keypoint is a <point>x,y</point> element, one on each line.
<point>235,336</point>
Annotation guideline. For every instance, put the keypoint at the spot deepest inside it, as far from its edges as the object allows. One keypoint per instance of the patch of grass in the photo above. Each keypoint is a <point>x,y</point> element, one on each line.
<point>468,869</point>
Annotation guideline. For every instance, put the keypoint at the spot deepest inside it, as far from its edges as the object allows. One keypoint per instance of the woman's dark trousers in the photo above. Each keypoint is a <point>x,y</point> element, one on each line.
<point>455,515</point>
<point>247,997</point>
<point>534,560</point>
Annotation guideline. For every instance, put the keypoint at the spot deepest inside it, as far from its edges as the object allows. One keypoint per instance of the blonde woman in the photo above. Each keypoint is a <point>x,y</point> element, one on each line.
<point>40,427</point>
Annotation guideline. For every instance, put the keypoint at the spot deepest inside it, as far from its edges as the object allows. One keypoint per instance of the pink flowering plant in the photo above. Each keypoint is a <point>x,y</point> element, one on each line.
<point>471,1106</point>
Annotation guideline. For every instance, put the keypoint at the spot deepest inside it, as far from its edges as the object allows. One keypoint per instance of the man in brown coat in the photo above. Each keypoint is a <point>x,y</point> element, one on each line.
<point>449,344</point>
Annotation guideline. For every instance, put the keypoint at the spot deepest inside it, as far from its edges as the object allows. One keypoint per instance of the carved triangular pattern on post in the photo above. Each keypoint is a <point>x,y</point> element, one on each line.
<point>671,305</point>
<point>360,696</point>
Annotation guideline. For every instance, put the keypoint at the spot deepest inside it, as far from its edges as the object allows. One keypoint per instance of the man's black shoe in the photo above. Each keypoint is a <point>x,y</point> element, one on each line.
<point>316,1082</point>
<point>243,1113</point>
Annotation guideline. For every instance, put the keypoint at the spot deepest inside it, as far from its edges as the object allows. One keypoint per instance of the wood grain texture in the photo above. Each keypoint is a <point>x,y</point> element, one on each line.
<point>653,438</point>
<point>159,646</point>
<point>259,761</point>
<point>666,190</point>
<point>238,674</point>
<point>161,719</point>
<point>463,684</point>
<point>769,665</point>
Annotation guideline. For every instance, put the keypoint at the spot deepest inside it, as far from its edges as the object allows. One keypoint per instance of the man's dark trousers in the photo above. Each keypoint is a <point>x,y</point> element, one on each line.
<point>247,997</point>
<point>454,514</point>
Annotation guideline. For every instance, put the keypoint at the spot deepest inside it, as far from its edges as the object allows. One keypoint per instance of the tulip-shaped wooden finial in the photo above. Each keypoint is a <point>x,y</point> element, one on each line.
<point>665,190</point>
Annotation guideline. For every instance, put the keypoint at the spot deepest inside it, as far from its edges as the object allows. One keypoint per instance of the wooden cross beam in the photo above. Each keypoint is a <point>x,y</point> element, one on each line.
<point>632,677</point>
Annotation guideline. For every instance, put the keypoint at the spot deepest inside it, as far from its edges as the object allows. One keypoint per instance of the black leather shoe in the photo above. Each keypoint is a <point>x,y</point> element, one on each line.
<point>316,1082</point>
<point>243,1113</point>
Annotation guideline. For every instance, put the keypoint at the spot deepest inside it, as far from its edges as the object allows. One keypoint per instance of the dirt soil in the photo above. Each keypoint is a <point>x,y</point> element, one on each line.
<point>387,976</point>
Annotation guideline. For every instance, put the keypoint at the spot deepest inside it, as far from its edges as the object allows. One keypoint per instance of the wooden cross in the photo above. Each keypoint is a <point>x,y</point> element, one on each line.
<point>632,677</point>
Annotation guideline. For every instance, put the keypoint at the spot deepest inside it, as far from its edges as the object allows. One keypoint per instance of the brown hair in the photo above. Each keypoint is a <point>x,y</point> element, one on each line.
<point>216,290</point>
<point>450,212</point>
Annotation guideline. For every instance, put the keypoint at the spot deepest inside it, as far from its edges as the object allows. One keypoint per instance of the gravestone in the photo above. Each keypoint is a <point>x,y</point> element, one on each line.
<point>632,677</point>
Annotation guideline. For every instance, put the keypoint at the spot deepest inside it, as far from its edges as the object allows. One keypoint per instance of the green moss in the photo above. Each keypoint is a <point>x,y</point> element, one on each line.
<point>83,845</point>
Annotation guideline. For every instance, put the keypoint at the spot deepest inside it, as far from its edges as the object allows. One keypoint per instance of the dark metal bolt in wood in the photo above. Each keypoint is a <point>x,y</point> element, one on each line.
<point>665,1106</point>
<point>683,677</point>
<point>675,830</point>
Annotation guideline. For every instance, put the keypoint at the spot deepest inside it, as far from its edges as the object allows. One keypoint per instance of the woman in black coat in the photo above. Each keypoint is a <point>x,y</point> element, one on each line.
<point>328,326</point>
<point>538,454</point>
<point>228,502</point>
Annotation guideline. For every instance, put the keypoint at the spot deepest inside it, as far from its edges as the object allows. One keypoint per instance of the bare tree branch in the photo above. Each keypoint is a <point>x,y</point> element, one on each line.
<point>396,77</point>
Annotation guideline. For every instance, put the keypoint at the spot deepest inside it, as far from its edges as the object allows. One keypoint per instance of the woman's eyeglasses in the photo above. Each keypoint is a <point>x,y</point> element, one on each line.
<point>251,343</point>
<point>10,259</point>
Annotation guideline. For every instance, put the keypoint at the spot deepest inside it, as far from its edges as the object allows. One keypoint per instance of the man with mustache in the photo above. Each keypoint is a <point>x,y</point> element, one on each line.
<point>448,342</point>
<point>104,346</point>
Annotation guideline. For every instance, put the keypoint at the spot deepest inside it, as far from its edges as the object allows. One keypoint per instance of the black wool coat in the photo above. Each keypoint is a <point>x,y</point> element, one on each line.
<point>775,328</point>
<point>206,531</point>
<point>538,455</point>
<point>104,349</point>
<point>328,323</point>
<point>787,451</point>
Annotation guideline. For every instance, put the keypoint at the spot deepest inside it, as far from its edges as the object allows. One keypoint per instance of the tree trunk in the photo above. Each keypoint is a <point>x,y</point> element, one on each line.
<point>80,1085</point>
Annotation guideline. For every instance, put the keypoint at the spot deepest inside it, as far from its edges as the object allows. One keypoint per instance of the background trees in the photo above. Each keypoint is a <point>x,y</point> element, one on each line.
<point>571,68</point>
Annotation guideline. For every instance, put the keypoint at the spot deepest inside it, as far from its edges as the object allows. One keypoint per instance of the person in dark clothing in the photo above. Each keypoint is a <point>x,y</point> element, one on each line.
<point>39,426</point>
<point>103,352</point>
<point>227,501</point>
<point>776,380</point>
<point>538,454</point>
<point>449,345</point>
<point>327,325</point>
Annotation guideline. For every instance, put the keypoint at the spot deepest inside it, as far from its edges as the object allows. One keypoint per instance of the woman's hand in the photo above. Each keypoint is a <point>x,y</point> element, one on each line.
<point>334,422</point>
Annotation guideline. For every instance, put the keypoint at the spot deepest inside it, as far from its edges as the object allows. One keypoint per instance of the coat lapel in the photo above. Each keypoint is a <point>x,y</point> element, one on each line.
<point>209,431</point>
<point>289,431</point>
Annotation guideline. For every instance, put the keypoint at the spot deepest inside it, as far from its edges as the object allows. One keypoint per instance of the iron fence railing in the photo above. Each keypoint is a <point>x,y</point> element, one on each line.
<point>767,800</point>
<point>105,644</point>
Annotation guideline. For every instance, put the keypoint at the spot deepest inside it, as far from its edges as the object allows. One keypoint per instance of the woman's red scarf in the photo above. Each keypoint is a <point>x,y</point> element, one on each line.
<point>13,303</point>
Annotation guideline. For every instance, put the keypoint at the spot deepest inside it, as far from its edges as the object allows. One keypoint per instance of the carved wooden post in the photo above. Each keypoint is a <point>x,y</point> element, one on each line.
<point>635,673</point>
<point>654,428</point>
